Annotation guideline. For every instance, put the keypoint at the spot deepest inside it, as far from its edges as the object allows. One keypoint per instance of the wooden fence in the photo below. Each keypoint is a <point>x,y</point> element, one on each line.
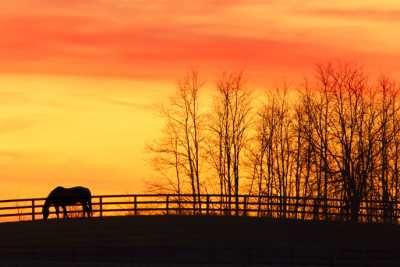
<point>212,205</point>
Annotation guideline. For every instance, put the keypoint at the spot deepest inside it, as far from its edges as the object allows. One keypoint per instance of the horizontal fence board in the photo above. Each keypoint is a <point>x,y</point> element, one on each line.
<point>116,203</point>
<point>16,207</point>
<point>212,204</point>
<point>22,200</point>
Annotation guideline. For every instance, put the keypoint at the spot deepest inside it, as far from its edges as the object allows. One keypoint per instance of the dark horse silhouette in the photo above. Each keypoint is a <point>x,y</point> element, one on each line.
<point>62,197</point>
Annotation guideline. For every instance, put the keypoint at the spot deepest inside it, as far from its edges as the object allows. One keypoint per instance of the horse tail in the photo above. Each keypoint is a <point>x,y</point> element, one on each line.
<point>90,206</point>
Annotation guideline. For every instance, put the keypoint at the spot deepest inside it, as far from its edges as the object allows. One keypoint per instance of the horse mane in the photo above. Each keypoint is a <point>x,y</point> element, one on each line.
<point>58,188</point>
<point>51,195</point>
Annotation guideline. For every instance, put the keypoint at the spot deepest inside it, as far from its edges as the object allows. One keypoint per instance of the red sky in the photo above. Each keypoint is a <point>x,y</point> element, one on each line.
<point>79,80</point>
<point>153,39</point>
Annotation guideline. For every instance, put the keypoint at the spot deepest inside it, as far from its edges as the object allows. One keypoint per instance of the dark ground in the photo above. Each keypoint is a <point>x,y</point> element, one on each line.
<point>197,241</point>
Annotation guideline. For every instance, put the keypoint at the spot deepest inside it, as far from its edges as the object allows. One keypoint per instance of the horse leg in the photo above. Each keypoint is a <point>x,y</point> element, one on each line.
<point>65,212</point>
<point>88,210</point>
<point>86,207</point>
<point>89,206</point>
<point>83,208</point>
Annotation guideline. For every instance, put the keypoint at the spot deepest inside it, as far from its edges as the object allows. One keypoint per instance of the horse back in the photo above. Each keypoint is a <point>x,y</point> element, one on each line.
<point>80,190</point>
<point>70,196</point>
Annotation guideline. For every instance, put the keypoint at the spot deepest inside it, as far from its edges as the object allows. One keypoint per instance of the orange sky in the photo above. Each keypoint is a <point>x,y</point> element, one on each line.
<point>80,80</point>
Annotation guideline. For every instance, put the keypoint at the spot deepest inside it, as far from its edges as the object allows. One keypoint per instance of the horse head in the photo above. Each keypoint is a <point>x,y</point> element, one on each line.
<point>45,210</point>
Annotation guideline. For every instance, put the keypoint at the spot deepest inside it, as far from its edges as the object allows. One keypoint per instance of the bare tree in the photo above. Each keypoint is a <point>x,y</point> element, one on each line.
<point>177,154</point>
<point>334,143</point>
<point>388,111</point>
<point>230,124</point>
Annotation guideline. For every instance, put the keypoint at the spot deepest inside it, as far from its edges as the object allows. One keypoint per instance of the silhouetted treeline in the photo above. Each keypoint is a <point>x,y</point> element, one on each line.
<point>334,138</point>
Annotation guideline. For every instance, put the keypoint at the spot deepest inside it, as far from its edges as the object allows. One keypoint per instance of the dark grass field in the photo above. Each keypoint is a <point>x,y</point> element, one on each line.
<point>197,241</point>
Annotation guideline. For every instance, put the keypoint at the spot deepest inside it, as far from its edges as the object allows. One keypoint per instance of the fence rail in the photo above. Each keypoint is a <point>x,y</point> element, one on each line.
<point>211,204</point>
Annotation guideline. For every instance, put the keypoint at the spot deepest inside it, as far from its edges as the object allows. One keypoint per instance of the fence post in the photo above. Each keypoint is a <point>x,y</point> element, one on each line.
<point>33,209</point>
<point>167,204</point>
<point>135,205</point>
<point>179,204</point>
<point>208,205</point>
<point>316,203</point>
<point>101,207</point>
<point>245,205</point>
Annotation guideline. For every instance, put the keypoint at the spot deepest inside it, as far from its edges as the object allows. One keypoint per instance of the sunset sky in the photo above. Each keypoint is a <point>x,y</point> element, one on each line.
<point>80,81</point>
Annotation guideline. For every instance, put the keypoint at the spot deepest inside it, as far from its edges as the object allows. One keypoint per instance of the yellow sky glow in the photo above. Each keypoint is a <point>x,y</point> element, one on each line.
<point>80,81</point>
<point>66,130</point>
